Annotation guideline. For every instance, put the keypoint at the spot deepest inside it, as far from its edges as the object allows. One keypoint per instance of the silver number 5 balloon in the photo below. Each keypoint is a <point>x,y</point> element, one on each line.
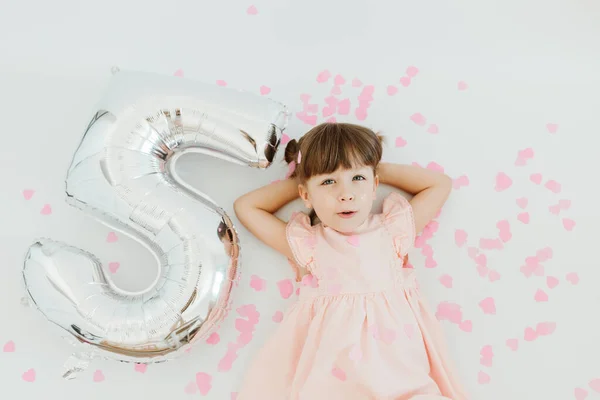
<point>123,174</point>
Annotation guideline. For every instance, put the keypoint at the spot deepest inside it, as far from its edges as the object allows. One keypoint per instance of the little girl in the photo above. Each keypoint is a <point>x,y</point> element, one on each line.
<point>359,329</point>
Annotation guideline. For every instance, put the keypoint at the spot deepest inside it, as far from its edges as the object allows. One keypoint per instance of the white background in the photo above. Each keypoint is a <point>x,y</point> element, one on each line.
<point>525,64</point>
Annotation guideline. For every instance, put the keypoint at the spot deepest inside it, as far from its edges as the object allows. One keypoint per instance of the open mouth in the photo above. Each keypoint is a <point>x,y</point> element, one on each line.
<point>347,214</point>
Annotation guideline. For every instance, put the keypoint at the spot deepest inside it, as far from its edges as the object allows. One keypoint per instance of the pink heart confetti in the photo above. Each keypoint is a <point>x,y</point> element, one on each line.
<point>412,71</point>
<point>573,278</point>
<point>418,119</point>
<point>513,344</point>
<point>323,76</point>
<point>265,90</point>
<point>462,85</point>
<point>523,217</point>
<point>111,237</point>
<point>536,178</point>
<point>277,317</point>
<point>46,210</point>
<point>446,280</point>
<point>503,182</point>
<point>141,368</point>
<point>204,382</point>
<point>433,128</point>
<point>178,73</point>
<point>552,128</point>
<point>191,387</point>
<point>595,385</point>
<point>9,347</point>
<point>493,275</point>
<point>113,267</point>
<point>522,202</point>
<point>214,338</point>
<point>553,186</point>
<point>405,81</point>
<point>466,326</point>
<point>488,305</point>
<point>391,90</point>
<point>251,10</point>
<point>339,80</point>
<point>29,375</point>
<point>98,376</point>
<point>580,394</point>
<point>400,142</point>
<point>258,284</point>
<point>28,194</point>
<point>568,224</point>
<point>545,328</point>
<point>540,296</point>
<point>551,282</point>
<point>286,288</point>
<point>483,378</point>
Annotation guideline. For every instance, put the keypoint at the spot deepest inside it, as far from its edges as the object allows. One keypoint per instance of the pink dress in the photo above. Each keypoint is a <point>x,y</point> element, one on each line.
<point>359,329</point>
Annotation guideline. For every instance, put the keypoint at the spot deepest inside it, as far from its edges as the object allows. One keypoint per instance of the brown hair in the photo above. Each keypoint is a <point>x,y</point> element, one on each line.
<point>329,146</point>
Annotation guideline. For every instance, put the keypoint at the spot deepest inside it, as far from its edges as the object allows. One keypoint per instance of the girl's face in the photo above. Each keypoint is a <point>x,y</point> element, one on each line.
<point>343,190</point>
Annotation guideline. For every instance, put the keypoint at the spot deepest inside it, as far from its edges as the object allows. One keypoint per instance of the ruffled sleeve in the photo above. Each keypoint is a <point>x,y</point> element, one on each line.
<point>399,221</point>
<point>302,239</point>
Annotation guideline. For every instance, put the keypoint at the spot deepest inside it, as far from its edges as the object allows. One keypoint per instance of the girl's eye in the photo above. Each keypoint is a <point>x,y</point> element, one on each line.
<point>357,176</point>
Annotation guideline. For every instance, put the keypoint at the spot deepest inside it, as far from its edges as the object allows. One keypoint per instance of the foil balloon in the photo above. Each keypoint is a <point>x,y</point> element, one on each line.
<point>123,174</point>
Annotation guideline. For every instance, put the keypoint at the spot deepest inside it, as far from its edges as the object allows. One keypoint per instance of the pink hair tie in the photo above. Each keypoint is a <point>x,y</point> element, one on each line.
<point>299,157</point>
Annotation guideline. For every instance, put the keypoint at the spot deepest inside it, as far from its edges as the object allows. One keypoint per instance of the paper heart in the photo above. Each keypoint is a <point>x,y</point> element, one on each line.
<point>545,328</point>
<point>400,142</point>
<point>433,128</point>
<point>418,119</point>
<point>178,73</point>
<point>536,178</point>
<point>98,376</point>
<point>488,305</point>
<point>513,344</point>
<point>405,81</point>
<point>113,267</point>
<point>553,186</point>
<point>204,382</point>
<point>286,288</point>
<point>551,282</point>
<point>580,394</point>
<point>554,209</point>
<point>277,317</point>
<point>523,217</point>
<point>522,202</point>
<point>460,237</point>
<point>391,90</point>
<point>462,85</point>
<point>336,90</point>
<point>412,71</point>
<point>460,182</point>
<point>356,82</point>
<point>9,347</point>
<point>482,270</point>
<point>191,387</point>
<point>323,76</point>
<point>29,375</point>
<point>214,338</point>
<point>446,280</point>
<point>552,128</point>
<point>466,326</point>
<point>339,80</point>
<point>251,10</point>
<point>595,385</point>
<point>530,334</point>
<point>540,296</point>
<point>483,378</point>
<point>493,275</point>
<point>46,210</point>
<point>568,223</point>
<point>221,82</point>
<point>265,90</point>
<point>111,237</point>
<point>573,278</point>
<point>28,193</point>
<point>258,284</point>
<point>142,368</point>
<point>503,182</point>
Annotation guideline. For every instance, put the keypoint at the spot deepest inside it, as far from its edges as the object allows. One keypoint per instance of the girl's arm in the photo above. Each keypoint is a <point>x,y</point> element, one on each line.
<point>255,211</point>
<point>430,189</point>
